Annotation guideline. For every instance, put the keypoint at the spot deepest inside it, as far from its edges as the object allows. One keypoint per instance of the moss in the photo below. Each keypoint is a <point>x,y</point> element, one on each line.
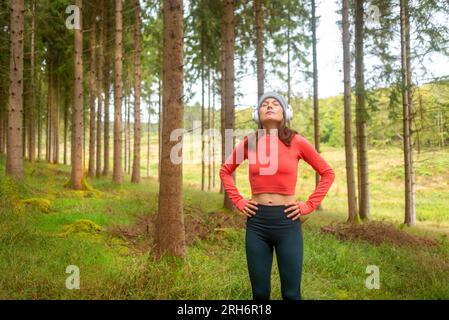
<point>84,185</point>
<point>82,226</point>
<point>40,204</point>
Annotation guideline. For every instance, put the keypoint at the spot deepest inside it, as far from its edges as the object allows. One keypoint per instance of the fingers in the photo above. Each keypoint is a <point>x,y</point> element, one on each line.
<point>250,210</point>
<point>291,206</point>
<point>246,211</point>
<point>249,205</point>
<point>296,217</point>
<point>294,213</point>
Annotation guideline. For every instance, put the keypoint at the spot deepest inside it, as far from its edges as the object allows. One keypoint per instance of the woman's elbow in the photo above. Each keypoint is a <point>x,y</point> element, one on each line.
<point>329,174</point>
<point>332,175</point>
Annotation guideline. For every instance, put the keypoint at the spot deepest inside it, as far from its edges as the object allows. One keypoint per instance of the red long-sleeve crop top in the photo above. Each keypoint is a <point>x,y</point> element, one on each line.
<point>269,173</point>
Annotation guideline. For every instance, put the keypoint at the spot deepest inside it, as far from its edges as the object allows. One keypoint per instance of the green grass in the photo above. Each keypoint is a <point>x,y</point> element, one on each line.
<point>34,256</point>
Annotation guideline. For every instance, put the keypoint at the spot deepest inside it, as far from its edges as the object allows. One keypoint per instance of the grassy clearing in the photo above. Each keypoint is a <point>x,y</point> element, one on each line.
<point>34,252</point>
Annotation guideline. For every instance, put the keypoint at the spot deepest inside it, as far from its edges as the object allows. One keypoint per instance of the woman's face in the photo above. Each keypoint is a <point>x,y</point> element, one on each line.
<point>271,110</point>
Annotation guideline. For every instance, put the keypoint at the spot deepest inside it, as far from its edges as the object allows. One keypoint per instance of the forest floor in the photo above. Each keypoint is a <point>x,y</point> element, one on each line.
<point>107,232</point>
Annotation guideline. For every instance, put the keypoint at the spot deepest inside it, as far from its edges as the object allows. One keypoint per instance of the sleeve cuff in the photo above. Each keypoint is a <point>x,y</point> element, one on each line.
<point>241,203</point>
<point>304,208</point>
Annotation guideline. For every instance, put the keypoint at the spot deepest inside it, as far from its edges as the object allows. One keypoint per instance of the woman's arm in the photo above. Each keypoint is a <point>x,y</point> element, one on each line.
<point>239,154</point>
<point>316,161</point>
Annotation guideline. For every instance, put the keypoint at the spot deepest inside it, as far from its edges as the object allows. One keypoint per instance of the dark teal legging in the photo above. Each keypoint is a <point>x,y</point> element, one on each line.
<point>270,228</point>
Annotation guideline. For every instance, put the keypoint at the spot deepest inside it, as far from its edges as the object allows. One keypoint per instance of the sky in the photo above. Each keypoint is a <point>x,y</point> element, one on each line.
<point>329,57</point>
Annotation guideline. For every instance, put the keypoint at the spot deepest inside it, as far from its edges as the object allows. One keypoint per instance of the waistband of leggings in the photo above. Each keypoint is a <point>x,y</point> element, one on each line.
<point>271,207</point>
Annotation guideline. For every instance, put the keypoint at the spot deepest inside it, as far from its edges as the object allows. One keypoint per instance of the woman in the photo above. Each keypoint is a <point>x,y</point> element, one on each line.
<point>272,212</point>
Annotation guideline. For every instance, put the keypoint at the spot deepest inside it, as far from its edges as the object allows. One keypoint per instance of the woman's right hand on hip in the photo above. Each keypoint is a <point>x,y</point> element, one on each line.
<point>250,208</point>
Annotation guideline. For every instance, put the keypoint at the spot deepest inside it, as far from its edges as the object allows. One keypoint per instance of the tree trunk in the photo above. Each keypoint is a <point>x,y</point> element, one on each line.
<point>128,127</point>
<point>289,77</point>
<point>149,140</point>
<point>362,141</point>
<point>213,136</point>
<point>259,47</point>
<point>57,107</point>
<point>100,88</point>
<point>92,86</point>
<point>222,97</point>
<point>107,84</point>
<point>2,122</point>
<point>48,126</point>
<point>39,123</point>
<point>316,114</point>
<point>125,126</point>
<point>66,111</point>
<point>350,179</point>
<point>118,91</point>
<point>135,178</point>
<point>410,213</point>
<point>203,121</point>
<point>25,108</point>
<point>161,116</point>
<point>229,118</point>
<point>209,133</point>
<point>170,233</point>
<point>14,158</point>
<point>77,114</point>
<point>32,135</point>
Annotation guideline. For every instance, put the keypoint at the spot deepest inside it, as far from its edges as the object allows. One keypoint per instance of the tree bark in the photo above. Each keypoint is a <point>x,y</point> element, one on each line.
<point>107,85</point>
<point>316,113</point>
<point>14,157</point>
<point>39,122</point>
<point>118,92</point>
<point>229,118</point>
<point>93,93</point>
<point>128,127</point>
<point>32,135</point>
<point>362,140</point>
<point>2,122</point>
<point>209,164</point>
<point>350,179</point>
<point>213,136</point>
<point>149,140</point>
<point>410,212</point>
<point>203,121</point>
<point>77,114</point>
<point>260,47</point>
<point>48,126</point>
<point>100,89</point>
<point>57,107</point>
<point>135,178</point>
<point>223,97</point>
<point>66,115</point>
<point>161,116</point>
<point>170,233</point>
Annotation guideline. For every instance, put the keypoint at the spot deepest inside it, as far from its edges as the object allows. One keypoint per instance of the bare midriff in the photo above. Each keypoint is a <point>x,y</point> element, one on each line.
<point>272,199</point>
